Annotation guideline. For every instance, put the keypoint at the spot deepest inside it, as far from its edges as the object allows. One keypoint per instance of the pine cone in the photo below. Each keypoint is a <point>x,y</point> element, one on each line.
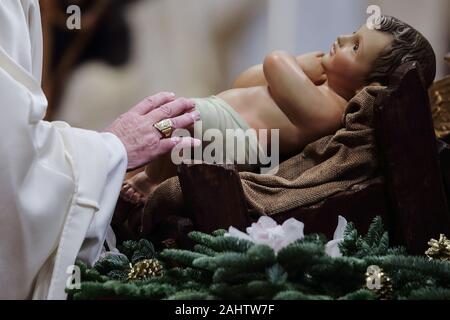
<point>145,269</point>
<point>439,249</point>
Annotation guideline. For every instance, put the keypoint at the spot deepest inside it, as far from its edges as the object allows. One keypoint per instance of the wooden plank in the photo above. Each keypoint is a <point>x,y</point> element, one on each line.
<point>215,199</point>
<point>214,196</point>
<point>444,161</point>
<point>409,158</point>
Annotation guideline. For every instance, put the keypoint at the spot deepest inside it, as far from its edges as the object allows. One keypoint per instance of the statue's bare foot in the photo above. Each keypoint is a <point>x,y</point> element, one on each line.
<point>137,188</point>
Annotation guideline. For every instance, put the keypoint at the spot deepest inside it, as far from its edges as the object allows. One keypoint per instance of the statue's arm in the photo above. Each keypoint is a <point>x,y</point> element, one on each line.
<point>254,76</point>
<point>251,77</point>
<point>298,97</point>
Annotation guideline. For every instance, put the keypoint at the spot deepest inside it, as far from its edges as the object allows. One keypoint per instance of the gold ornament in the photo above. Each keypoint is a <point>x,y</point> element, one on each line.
<point>440,106</point>
<point>439,249</point>
<point>382,286</point>
<point>145,269</point>
<point>439,93</point>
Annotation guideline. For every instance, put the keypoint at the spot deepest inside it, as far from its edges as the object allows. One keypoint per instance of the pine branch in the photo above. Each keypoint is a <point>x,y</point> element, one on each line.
<point>361,294</point>
<point>430,294</point>
<point>233,276</point>
<point>144,250</point>
<point>298,256</point>
<point>202,238</point>
<point>261,256</point>
<point>263,289</point>
<point>156,291</point>
<point>205,250</point>
<point>239,261</point>
<point>375,232</point>
<point>222,244</point>
<point>225,291</point>
<point>337,276</point>
<point>349,246</point>
<point>297,295</point>
<point>374,243</point>
<point>118,275</point>
<point>128,248</point>
<point>219,232</point>
<point>258,256</point>
<point>184,257</point>
<point>123,290</point>
<point>191,295</point>
<point>184,274</point>
<point>112,262</point>
<point>276,274</point>
<point>439,270</point>
<point>91,291</point>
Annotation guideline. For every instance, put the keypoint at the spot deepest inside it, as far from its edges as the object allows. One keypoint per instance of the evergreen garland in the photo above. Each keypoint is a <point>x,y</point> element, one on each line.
<point>222,267</point>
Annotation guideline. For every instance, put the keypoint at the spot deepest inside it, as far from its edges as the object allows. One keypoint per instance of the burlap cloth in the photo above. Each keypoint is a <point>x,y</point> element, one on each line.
<point>325,167</point>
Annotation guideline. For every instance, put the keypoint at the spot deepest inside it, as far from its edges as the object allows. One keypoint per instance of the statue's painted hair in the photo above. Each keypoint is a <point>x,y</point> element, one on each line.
<point>408,45</point>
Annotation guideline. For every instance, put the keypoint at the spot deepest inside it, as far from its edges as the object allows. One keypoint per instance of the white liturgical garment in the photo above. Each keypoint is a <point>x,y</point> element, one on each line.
<point>58,185</point>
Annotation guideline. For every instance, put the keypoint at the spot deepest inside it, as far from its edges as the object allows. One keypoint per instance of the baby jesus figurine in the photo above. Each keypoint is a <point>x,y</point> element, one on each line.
<point>304,96</point>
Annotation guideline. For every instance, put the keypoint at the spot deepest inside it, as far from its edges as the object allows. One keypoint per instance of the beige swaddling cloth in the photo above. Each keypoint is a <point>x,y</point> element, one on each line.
<point>215,113</point>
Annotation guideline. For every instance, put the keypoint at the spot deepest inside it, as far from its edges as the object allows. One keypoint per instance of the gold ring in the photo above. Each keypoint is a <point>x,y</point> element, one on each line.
<point>165,127</point>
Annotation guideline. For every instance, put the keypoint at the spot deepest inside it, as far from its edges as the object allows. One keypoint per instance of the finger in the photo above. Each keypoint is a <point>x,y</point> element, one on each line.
<point>172,109</point>
<point>188,142</point>
<point>319,54</point>
<point>166,145</point>
<point>152,102</point>
<point>186,120</point>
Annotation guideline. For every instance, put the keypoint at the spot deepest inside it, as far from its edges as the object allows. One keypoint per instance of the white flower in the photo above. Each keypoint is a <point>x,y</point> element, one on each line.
<point>267,231</point>
<point>332,247</point>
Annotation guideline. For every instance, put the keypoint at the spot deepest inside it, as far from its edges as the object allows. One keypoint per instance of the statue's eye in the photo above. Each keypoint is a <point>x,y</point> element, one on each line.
<point>356,47</point>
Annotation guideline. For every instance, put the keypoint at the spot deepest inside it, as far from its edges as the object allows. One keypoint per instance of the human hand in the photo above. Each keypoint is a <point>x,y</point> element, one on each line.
<point>142,141</point>
<point>311,64</point>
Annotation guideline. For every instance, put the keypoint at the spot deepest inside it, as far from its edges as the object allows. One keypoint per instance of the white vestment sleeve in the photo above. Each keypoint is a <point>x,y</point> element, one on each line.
<point>58,185</point>
<point>95,237</point>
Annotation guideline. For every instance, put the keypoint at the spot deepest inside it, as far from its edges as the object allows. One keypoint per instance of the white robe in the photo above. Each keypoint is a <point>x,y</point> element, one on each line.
<point>58,184</point>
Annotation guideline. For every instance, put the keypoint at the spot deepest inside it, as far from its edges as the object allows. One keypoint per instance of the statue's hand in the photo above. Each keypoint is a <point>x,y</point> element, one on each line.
<point>311,64</point>
<point>142,141</point>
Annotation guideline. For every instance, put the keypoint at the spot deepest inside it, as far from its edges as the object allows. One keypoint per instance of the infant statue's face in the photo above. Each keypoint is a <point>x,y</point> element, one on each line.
<point>351,57</point>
